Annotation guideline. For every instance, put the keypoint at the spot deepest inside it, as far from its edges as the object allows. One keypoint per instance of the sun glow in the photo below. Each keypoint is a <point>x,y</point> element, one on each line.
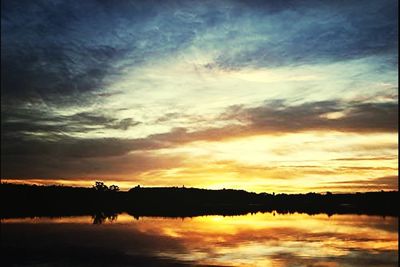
<point>301,162</point>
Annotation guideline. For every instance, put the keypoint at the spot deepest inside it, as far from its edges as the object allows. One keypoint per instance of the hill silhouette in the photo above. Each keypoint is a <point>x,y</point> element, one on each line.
<point>32,200</point>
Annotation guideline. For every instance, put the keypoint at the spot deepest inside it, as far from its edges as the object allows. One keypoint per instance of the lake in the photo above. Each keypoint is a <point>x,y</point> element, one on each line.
<point>261,239</point>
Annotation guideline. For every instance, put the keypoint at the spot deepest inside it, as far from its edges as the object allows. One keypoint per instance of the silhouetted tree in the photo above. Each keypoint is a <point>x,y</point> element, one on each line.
<point>114,188</point>
<point>100,186</point>
<point>27,200</point>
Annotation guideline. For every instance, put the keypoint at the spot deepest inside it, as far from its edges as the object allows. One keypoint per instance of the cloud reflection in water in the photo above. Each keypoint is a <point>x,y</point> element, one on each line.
<point>256,240</point>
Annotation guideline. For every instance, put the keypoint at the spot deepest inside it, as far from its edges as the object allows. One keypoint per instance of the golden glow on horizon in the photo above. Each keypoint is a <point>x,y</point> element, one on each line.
<point>285,163</point>
<point>300,162</point>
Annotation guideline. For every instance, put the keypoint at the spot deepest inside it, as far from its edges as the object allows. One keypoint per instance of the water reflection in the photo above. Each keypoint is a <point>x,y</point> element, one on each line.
<point>255,240</point>
<point>101,217</point>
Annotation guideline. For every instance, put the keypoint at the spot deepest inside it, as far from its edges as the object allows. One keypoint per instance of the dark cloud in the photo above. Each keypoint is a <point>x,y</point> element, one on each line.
<point>367,158</point>
<point>20,122</point>
<point>278,118</point>
<point>309,32</point>
<point>124,124</point>
<point>354,117</point>
<point>90,163</point>
<point>388,183</point>
<point>64,53</point>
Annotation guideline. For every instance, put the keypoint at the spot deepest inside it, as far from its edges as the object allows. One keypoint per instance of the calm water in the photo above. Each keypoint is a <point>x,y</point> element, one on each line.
<point>251,240</point>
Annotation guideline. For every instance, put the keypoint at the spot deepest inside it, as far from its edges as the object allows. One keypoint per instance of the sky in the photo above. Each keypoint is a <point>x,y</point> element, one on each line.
<point>266,96</point>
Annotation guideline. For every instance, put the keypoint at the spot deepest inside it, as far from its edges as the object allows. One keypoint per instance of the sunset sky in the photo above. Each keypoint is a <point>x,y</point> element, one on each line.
<point>266,96</point>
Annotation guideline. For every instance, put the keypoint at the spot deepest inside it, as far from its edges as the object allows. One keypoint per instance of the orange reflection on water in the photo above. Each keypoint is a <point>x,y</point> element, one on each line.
<point>262,239</point>
<point>267,238</point>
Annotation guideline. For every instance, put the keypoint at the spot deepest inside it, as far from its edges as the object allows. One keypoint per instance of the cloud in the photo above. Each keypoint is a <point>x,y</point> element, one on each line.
<point>277,118</point>
<point>57,50</point>
<point>363,117</point>
<point>368,158</point>
<point>379,183</point>
<point>24,124</point>
<point>266,119</point>
<point>309,32</point>
<point>385,181</point>
<point>117,166</point>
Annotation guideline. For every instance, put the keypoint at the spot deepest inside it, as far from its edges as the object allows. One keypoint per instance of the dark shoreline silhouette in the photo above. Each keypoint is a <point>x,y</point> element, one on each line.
<point>51,201</point>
